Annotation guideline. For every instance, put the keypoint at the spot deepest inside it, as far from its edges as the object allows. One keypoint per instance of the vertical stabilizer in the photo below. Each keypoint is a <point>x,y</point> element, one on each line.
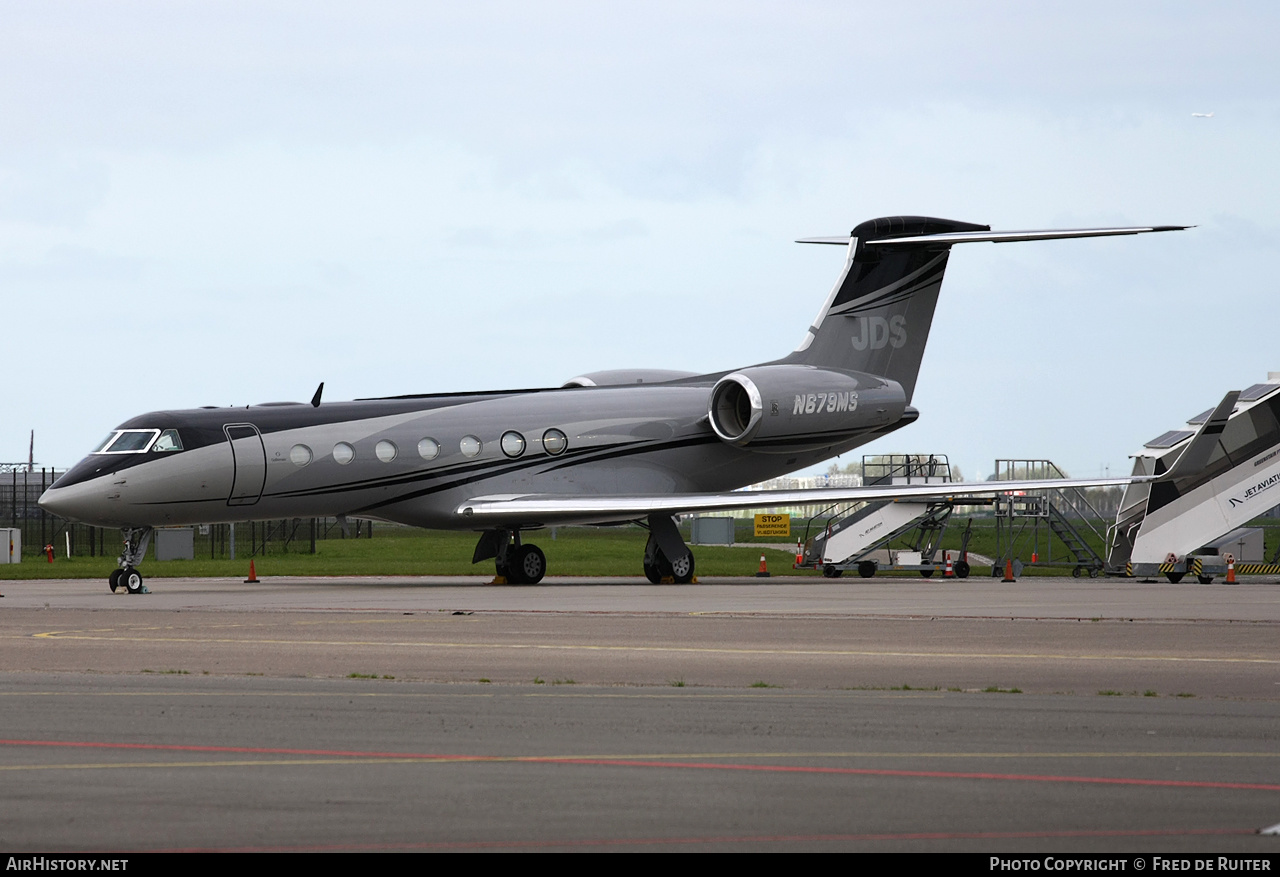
<point>877,318</point>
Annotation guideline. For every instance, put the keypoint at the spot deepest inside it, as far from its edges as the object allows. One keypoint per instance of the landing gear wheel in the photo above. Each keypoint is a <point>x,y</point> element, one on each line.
<point>926,573</point>
<point>961,569</point>
<point>867,568</point>
<point>681,571</point>
<point>114,580</point>
<point>1075,573</point>
<point>1205,580</point>
<point>657,567</point>
<point>1174,577</point>
<point>132,580</point>
<point>831,572</point>
<point>531,565</point>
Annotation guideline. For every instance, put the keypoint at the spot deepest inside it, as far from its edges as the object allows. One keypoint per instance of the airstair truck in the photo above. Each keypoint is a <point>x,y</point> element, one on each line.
<point>1210,480</point>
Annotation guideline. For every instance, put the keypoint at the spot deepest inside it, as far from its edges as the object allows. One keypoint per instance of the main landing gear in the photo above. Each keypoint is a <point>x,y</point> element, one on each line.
<point>666,557</point>
<point>127,576</point>
<point>514,564</point>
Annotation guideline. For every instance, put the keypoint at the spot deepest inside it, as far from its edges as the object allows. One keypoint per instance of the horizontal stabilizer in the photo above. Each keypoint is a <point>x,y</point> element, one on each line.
<point>1194,457</point>
<point>997,237</point>
<point>841,240</point>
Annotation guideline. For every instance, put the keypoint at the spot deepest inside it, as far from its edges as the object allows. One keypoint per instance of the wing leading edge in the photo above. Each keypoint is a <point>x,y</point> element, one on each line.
<point>558,508</point>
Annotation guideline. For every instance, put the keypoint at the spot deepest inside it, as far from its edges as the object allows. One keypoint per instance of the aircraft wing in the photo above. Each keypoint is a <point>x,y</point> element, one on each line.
<point>561,508</point>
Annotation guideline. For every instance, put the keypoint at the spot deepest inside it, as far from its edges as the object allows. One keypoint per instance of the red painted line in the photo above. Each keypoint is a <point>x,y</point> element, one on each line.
<point>691,765</point>
<point>928,774</point>
<point>722,839</point>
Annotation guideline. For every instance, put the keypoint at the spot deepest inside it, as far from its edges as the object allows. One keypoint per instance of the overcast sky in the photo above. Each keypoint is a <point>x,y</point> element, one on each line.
<point>227,203</point>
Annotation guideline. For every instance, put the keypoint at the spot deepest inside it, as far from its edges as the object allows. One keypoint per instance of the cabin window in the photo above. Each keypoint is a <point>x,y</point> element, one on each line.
<point>385,451</point>
<point>555,441</point>
<point>300,455</point>
<point>428,449</point>
<point>512,443</point>
<point>470,446</point>
<point>343,453</point>
<point>168,441</point>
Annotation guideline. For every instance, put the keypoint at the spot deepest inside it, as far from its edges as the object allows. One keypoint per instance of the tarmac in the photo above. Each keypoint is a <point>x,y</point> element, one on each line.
<point>886,714</point>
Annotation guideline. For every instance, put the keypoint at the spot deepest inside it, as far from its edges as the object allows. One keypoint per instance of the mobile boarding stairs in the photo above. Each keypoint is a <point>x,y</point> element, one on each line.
<point>1214,476</point>
<point>859,536</point>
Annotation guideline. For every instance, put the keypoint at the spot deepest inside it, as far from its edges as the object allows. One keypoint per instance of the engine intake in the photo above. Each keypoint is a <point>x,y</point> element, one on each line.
<point>736,408</point>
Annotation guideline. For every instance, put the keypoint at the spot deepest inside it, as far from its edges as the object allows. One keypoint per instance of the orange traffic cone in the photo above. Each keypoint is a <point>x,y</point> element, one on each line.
<point>1231,571</point>
<point>1008,571</point>
<point>764,570</point>
<point>253,576</point>
<point>799,554</point>
<point>949,572</point>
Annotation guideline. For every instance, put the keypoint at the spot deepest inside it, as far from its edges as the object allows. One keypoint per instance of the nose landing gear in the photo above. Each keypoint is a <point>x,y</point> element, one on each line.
<point>127,576</point>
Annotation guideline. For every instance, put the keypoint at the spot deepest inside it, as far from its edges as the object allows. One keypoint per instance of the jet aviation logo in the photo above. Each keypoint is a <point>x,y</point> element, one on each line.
<point>1255,490</point>
<point>816,403</point>
<point>876,333</point>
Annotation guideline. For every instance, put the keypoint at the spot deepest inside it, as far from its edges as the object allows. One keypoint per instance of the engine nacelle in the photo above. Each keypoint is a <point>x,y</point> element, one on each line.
<point>795,407</point>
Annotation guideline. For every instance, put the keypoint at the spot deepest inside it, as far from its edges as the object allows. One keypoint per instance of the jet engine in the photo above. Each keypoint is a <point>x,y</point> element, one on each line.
<point>793,407</point>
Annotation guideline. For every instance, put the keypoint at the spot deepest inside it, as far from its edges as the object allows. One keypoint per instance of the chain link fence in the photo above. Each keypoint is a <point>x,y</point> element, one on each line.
<point>19,509</point>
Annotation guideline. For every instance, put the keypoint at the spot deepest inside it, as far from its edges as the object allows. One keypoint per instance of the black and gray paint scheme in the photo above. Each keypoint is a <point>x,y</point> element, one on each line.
<point>607,447</point>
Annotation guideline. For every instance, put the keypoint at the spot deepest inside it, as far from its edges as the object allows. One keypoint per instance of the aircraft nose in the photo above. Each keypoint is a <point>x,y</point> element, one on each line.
<point>73,502</point>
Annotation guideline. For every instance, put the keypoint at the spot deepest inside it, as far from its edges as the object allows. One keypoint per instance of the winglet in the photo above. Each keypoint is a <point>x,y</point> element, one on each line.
<point>315,400</point>
<point>1194,457</point>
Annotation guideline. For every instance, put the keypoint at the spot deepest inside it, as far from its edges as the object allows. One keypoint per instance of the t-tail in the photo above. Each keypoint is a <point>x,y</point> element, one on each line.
<point>876,319</point>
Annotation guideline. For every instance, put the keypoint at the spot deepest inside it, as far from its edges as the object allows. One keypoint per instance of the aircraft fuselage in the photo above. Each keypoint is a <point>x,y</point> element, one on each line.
<point>414,460</point>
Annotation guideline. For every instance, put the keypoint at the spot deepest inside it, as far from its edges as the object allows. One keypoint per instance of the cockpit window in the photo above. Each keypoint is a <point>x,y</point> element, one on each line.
<point>102,445</point>
<point>168,441</point>
<point>130,441</point>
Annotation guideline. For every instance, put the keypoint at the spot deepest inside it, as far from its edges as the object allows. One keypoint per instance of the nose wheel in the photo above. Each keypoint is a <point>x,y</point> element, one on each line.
<point>135,549</point>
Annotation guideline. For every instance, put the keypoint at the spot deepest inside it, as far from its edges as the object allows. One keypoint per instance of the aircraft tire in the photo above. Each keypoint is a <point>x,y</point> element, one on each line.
<point>961,569</point>
<point>1174,577</point>
<point>114,580</point>
<point>682,569</point>
<point>831,572</point>
<point>867,569</point>
<point>926,573</point>
<point>1205,580</point>
<point>531,565</point>
<point>132,580</point>
<point>652,573</point>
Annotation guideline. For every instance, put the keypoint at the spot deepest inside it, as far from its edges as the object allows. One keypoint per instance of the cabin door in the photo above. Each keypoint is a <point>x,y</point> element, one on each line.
<point>250,458</point>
